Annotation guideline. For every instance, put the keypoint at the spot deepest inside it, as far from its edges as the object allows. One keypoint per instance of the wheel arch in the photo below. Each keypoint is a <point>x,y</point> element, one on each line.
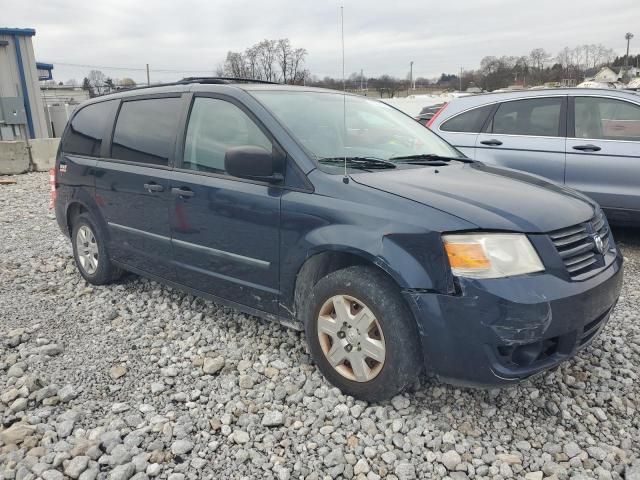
<point>74,209</point>
<point>321,263</point>
<point>79,205</point>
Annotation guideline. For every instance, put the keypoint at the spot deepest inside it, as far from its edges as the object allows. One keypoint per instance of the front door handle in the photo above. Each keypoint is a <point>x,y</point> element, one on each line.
<point>153,187</point>
<point>182,192</point>
<point>587,148</point>
<point>493,142</point>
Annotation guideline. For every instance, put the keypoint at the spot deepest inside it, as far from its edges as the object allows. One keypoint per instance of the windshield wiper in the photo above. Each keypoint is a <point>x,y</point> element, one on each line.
<point>425,158</point>
<point>358,162</point>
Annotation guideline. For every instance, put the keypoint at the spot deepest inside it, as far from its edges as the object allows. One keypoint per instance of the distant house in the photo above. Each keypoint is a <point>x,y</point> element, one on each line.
<point>606,75</point>
<point>616,74</point>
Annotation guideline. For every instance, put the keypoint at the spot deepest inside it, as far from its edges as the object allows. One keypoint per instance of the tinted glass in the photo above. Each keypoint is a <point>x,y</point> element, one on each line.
<point>214,127</point>
<point>606,118</point>
<point>145,130</point>
<point>470,121</point>
<point>372,129</point>
<point>86,131</point>
<point>539,116</point>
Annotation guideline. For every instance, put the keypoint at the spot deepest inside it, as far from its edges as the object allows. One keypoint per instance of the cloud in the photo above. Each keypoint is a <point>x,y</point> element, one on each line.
<point>193,36</point>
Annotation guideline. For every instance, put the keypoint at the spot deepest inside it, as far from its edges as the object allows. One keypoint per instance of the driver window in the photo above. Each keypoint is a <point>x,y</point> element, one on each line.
<point>214,127</point>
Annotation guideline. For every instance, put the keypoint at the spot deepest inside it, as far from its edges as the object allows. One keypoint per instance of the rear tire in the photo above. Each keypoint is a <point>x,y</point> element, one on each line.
<point>90,252</point>
<point>361,334</point>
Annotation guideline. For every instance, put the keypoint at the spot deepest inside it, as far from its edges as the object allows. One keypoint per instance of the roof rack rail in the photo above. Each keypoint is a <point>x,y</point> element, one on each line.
<point>222,80</point>
<point>189,80</point>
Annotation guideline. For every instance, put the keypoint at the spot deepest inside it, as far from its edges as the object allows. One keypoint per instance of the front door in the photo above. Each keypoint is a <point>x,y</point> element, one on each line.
<point>603,154</point>
<point>526,135</point>
<point>225,230</point>
<point>132,187</point>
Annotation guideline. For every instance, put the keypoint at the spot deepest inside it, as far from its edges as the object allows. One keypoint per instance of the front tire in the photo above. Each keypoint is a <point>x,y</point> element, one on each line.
<point>90,252</point>
<point>361,334</point>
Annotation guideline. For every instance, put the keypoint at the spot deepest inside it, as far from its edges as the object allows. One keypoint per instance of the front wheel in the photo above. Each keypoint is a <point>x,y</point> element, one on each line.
<point>361,334</point>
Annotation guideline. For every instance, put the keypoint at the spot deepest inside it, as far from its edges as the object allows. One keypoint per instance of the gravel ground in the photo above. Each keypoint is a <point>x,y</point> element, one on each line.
<point>137,380</point>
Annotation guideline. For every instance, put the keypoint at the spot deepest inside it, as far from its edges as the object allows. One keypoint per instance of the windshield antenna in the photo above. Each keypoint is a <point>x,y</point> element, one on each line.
<point>345,179</point>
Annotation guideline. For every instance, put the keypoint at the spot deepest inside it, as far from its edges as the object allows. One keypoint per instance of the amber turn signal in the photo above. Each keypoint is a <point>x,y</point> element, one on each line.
<point>466,256</point>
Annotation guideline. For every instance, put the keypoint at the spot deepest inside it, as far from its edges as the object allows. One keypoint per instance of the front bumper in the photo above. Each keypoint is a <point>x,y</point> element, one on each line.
<point>500,331</point>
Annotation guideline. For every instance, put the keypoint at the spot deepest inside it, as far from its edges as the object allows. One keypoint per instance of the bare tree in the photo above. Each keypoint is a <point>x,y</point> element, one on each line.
<point>539,57</point>
<point>283,55</point>
<point>235,65</point>
<point>251,58</point>
<point>96,80</point>
<point>298,74</point>
<point>127,82</point>
<point>267,50</point>
<point>270,60</point>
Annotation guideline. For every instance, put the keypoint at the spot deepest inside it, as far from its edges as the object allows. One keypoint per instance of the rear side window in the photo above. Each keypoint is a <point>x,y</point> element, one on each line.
<point>606,118</point>
<point>468,122</point>
<point>146,130</point>
<point>538,116</point>
<point>87,129</point>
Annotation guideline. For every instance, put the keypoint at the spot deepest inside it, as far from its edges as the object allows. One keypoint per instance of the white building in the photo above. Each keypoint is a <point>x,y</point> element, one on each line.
<point>616,74</point>
<point>59,103</point>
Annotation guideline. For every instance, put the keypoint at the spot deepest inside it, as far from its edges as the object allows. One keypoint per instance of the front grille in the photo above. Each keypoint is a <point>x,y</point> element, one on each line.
<point>576,245</point>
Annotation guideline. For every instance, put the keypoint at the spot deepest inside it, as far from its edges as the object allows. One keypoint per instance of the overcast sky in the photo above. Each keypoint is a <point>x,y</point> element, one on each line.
<point>193,36</point>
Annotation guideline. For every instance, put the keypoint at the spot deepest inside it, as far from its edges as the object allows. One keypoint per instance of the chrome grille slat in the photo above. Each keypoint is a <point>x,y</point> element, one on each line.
<point>567,232</point>
<point>575,245</point>
<point>572,252</point>
<point>579,259</point>
<point>598,224</point>
<point>582,265</point>
<point>573,238</point>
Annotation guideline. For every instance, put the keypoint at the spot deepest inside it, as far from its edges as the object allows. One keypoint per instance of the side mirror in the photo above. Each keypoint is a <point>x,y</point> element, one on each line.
<point>254,163</point>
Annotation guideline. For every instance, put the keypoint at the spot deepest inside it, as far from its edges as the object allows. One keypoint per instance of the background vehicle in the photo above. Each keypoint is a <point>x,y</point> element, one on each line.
<point>587,139</point>
<point>427,113</point>
<point>415,259</point>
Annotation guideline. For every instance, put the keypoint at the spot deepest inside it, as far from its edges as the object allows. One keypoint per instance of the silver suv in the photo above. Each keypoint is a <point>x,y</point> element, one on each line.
<point>587,139</point>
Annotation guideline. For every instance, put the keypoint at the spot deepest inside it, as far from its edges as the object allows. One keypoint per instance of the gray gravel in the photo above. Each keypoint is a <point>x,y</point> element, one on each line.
<point>137,380</point>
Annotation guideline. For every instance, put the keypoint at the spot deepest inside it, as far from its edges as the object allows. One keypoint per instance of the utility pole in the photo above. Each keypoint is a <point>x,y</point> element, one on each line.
<point>410,76</point>
<point>148,81</point>
<point>361,78</point>
<point>628,37</point>
<point>460,78</point>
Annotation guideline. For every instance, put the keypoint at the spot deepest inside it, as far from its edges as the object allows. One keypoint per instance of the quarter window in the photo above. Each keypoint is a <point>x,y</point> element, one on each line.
<point>86,130</point>
<point>146,130</point>
<point>468,122</point>
<point>214,127</point>
<point>538,116</point>
<point>606,118</point>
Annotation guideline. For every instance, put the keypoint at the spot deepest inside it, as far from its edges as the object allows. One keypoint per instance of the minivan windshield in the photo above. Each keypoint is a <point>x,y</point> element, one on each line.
<point>375,134</point>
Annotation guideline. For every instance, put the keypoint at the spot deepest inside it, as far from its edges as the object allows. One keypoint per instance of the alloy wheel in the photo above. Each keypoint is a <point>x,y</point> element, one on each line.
<point>87,248</point>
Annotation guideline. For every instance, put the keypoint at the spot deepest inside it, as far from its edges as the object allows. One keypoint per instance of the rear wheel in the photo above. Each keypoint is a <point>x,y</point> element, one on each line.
<point>361,334</point>
<point>90,253</point>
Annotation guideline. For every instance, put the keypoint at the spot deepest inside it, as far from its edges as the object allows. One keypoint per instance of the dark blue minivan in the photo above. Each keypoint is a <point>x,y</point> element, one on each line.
<point>339,215</point>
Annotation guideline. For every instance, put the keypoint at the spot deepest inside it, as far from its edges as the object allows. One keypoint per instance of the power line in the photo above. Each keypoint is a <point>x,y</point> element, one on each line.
<point>137,69</point>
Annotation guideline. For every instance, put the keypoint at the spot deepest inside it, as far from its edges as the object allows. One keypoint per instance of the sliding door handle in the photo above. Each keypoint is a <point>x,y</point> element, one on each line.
<point>182,192</point>
<point>493,142</point>
<point>153,187</point>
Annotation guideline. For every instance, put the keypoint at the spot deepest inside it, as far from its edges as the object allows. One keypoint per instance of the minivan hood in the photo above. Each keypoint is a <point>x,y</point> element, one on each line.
<point>489,197</point>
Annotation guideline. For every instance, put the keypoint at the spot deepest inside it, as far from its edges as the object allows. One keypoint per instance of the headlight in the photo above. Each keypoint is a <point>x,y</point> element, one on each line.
<point>491,255</point>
